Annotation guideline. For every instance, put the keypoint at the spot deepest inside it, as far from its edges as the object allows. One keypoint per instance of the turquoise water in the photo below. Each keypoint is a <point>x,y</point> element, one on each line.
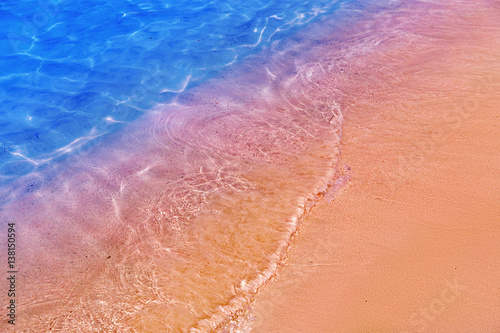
<point>73,71</point>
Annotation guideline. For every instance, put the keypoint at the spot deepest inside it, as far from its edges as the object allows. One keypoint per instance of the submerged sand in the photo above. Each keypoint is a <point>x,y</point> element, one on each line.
<point>410,244</point>
<point>175,222</point>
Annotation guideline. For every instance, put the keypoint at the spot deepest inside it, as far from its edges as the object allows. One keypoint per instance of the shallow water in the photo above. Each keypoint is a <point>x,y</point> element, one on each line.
<point>174,222</point>
<point>421,213</point>
<point>73,71</point>
<point>185,210</point>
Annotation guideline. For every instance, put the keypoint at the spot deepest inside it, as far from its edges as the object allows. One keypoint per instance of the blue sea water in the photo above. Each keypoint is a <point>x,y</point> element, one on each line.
<point>74,71</point>
<point>181,216</point>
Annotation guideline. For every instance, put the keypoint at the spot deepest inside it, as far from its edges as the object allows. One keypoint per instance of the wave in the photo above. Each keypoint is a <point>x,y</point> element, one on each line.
<point>176,221</point>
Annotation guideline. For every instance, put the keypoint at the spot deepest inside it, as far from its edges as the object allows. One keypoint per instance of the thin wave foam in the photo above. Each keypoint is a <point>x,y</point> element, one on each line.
<point>178,220</point>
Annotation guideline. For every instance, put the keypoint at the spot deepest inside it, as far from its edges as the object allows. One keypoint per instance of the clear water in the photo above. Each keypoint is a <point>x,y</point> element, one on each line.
<point>73,71</point>
<point>195,136</point>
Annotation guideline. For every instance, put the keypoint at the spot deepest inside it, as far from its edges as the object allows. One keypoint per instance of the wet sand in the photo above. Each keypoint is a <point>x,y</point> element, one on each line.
<point>410,244</point>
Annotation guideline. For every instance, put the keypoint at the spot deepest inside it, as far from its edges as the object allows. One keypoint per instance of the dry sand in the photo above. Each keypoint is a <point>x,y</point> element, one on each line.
<point>412,243</point>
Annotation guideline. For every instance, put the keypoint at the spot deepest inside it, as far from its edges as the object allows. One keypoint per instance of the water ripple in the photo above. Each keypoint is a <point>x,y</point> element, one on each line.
<point>69,57</point>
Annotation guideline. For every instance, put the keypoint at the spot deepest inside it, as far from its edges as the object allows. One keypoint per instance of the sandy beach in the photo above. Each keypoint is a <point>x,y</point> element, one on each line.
<point>410,244</point>
<point>298,166</point>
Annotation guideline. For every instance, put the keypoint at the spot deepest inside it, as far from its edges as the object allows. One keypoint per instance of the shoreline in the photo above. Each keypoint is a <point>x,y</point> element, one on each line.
<point>409,244</point>
<point>141,232</point>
